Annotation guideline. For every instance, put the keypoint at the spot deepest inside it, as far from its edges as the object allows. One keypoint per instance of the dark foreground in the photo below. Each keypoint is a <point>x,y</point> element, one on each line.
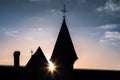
<point>9,73</point>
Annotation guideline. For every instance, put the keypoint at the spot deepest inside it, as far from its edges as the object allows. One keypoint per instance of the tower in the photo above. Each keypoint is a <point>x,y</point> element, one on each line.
<point>64,54</point>
<point>16,59</point>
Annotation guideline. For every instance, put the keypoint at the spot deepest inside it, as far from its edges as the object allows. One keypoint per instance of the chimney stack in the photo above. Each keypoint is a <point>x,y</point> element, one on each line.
<point>16,58</point>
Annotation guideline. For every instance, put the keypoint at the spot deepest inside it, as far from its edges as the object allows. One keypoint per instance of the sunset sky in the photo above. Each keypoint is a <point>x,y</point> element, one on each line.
<point>94,26</point>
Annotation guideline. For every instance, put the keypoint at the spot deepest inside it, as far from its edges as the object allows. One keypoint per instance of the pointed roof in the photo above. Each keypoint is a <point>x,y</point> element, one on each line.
<point>64,48</point>
<point>37,61</point>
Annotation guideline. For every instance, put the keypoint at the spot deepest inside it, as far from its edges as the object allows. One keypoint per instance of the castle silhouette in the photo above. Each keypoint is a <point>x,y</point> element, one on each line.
<point>63,56</point>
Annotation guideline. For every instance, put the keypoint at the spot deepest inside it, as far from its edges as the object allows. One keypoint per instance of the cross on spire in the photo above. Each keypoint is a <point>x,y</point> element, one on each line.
<point>64,10</point>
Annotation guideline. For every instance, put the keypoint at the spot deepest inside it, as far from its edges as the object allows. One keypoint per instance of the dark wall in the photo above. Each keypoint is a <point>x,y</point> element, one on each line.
<point>10,73</point>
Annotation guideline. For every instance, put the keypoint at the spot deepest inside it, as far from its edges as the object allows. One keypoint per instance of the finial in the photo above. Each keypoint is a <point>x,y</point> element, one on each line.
<point>64,10</point>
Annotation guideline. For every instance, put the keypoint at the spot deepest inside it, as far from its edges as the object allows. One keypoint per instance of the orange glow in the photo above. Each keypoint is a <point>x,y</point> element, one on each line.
<point>51,67</point>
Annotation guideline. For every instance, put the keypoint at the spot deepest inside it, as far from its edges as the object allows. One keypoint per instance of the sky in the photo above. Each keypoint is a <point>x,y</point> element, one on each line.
<point>94,26</point>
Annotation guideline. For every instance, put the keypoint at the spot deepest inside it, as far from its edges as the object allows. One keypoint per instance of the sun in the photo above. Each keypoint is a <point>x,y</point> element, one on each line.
<point>51,67</point>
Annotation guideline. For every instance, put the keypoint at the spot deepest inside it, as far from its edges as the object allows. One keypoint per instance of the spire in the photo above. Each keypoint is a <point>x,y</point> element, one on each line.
<point>64,49</point>
<point>37,61</point>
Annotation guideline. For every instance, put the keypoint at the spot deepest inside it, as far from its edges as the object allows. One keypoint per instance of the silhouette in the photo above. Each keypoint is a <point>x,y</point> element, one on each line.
<point>63,57</point>
<point>64,54</point>
<point>37,61</point>
<point>16,59</point>
<point>37,66</point>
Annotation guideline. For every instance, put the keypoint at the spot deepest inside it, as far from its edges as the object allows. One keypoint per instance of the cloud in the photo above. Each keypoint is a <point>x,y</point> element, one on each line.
<point>53,10</point>
<point>114,43</point>
<point>37,29</point>
<point>111,36</point>
<point>102,40</point>
<point>12,33</point>
<point>111,7</point>
<point>109,26</point>
<point>110,33</point>
<point>29,39</point>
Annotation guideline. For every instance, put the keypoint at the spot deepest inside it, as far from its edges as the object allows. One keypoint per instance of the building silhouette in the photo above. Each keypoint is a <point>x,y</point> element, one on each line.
<point>37,66</point>
<point>63,56</point>
<point>16,59</point>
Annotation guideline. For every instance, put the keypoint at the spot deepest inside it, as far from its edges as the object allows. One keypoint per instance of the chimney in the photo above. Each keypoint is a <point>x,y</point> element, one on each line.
<point>16,58</point>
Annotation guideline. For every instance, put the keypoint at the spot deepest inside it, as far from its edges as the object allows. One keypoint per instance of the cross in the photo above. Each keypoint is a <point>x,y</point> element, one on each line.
<point>64,10</point>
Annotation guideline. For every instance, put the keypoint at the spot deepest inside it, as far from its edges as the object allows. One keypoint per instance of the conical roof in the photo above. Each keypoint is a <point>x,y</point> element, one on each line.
<point>64,49</point>
<point>37,61</point>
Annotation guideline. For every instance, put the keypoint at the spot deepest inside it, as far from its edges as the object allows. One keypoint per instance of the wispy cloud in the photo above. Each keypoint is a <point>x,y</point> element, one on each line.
<point>109,26</point>
<point>37,29</point>
<point>110,33</point>
<point>29,38</point>
<point>12,33</point>
<point>53,10</point>
<point>111,36</point>
<point>111,6</point>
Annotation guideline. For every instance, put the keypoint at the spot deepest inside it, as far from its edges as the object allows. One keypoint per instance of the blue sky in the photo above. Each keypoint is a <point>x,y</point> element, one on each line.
<point>93,24</point>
